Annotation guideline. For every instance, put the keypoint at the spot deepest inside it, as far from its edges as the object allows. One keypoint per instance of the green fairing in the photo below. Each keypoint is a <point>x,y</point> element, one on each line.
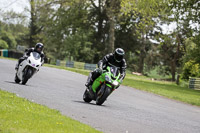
<point>101,79</point>
<point>98,82</point>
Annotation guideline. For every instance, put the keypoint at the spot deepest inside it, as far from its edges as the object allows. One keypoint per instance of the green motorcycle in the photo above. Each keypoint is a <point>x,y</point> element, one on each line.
<point>103,86</point>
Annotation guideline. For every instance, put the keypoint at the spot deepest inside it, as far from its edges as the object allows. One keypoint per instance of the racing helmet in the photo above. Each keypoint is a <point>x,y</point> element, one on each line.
<point>39,47</point>
<point>119,54</point>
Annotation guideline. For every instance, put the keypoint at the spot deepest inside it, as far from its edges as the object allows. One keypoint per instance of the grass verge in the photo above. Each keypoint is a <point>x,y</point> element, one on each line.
<point>163,88</point>
<point>18,115</point>
<point>81,71</point>
<point>1,57</point>
<point>169,90</point>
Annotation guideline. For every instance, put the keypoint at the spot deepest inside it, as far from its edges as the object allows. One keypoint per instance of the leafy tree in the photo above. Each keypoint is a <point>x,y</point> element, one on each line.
<point>3,44</point>
<point>11,17</point>
<point>99,20</point>
<point>186,14</point>
<point>66,29</point>
<point>127,39</point>
<point>191,60</point>
<point>79,46</point>
<point>9,39</point>
<point>170,51</point>
<point>13,29</point>
<point>112,12</point>
<point>39,13</point>
<point>145,12</point>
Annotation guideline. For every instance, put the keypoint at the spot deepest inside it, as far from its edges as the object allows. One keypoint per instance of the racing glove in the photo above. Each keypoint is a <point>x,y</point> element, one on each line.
<point>99,70</point>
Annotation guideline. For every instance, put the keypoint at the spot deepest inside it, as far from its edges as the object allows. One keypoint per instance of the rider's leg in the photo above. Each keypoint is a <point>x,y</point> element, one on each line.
<point>19,61</point>
<point>92,77</point>
<point>89,80</point>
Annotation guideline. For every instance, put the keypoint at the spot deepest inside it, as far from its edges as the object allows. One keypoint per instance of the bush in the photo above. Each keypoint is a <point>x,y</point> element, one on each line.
<point>191,69</point>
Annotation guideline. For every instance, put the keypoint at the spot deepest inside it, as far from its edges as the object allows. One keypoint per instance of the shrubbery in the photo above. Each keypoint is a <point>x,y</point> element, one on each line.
<point>191,69</point>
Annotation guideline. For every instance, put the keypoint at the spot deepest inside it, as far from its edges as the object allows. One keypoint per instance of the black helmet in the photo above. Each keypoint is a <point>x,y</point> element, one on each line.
<point>119,54</point>
<point>39,47</point>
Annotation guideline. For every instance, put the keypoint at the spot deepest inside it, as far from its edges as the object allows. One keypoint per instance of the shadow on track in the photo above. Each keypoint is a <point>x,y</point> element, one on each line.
<point>16,83</point>
<point>88,103</point>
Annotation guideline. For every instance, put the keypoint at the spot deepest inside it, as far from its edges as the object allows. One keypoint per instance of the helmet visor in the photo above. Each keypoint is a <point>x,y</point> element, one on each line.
<point>39,49</point>
<point>118,57</point>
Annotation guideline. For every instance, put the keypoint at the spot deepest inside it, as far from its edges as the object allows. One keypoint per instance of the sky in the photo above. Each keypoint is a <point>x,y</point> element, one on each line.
<point>15,5</point>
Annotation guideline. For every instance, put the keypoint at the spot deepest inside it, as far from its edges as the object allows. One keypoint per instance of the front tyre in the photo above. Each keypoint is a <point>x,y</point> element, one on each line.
<point>17,80</point>
<point>28,75</point>
<point>86,97</point>
<point>102,96</point>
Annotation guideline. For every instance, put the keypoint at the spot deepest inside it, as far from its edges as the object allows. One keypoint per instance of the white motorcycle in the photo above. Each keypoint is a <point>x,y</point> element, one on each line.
<point>28,68</point>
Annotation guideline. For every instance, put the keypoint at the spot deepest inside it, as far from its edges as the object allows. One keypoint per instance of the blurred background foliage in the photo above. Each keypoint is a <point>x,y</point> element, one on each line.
<point>86,30</point>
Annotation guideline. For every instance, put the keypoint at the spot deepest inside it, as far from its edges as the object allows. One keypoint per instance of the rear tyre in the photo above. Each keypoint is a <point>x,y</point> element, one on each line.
<point>102,96</point>
<point>86,97</point>
<point>17,80</point>
<point>27,76</point>
<point>24,81</point>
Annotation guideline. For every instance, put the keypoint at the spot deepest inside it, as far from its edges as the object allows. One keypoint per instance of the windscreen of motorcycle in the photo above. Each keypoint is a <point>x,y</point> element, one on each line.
<point>36,55</point>
<point>114,71</point>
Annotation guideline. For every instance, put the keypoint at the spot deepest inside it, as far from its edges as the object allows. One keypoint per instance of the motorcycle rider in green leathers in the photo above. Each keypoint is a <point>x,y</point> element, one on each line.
<point>115,59</point>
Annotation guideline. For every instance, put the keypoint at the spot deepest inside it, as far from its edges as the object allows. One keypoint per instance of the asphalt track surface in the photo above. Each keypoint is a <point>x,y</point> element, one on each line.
<point>127,110</point>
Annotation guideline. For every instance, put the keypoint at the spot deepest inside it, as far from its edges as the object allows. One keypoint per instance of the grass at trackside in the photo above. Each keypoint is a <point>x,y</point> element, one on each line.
<point>169,90</point>
<point>163,88</point>
<point>81,71</point>
<point>1,57</point>
<point>18,115</point>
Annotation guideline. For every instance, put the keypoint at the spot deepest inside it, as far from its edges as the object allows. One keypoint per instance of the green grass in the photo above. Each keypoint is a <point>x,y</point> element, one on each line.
<point>81,71</point>
<point>18,115</point>
<point>163,88</point>
<point>169,90</point>
<point>1,57</point>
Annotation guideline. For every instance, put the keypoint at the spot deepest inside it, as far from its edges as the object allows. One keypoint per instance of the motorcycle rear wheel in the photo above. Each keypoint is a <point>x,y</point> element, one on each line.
<point>86,97</point>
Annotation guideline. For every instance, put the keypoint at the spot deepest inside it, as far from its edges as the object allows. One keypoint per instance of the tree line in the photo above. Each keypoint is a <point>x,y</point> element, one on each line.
<point>86,30</point>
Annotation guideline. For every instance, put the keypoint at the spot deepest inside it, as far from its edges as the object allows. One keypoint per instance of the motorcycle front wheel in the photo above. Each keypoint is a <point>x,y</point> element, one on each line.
<point>27,75</point>
<point>17,80</point>
<point>102,96</point>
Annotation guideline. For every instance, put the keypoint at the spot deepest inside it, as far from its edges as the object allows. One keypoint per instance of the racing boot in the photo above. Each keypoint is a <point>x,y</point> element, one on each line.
<point>89,86</point>
<point>19,61</point>
<point>89,81</point>
<point>17,66</point>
